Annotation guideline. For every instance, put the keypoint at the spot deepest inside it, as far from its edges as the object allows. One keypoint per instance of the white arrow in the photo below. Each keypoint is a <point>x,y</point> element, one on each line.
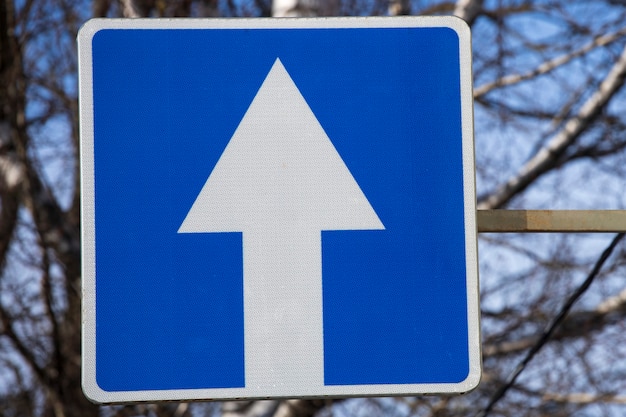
<point>281,182</point>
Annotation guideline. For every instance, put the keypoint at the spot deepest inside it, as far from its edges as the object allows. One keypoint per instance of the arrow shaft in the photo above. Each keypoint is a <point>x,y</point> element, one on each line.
<point>283,311</point>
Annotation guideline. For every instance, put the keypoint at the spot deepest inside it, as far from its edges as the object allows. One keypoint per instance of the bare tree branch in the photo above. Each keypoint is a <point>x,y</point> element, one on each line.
<point>129,9</point>
<point>468,10</point>
<point>274,408</point>
<point>585,398</point>
<point>611,311</point>
<point>262,408</point>
<point>300,408</point>
<point>547,157</point>
<point>549,66</point>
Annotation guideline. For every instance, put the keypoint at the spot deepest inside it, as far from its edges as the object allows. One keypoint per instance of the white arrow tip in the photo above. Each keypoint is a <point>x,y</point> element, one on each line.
<point>280,170</point>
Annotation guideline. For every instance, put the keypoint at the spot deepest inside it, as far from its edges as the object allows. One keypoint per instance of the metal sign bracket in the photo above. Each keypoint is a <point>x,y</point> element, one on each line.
<point>551,221</point>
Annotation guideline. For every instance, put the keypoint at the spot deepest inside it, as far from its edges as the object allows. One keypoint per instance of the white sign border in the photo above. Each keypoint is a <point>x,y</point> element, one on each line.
<point>85,36</point>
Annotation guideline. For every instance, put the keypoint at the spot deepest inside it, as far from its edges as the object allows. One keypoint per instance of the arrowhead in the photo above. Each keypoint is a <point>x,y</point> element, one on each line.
<point>280,170</point>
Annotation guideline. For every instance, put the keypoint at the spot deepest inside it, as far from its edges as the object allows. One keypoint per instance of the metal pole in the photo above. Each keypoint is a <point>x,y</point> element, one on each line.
<point>551,221</point>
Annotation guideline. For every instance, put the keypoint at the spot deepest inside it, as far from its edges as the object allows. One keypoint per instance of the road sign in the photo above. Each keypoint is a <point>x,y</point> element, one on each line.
<point>277,208</point>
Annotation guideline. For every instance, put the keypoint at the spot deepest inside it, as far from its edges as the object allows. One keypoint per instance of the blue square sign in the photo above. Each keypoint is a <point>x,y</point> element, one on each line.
<point>277,208</point>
